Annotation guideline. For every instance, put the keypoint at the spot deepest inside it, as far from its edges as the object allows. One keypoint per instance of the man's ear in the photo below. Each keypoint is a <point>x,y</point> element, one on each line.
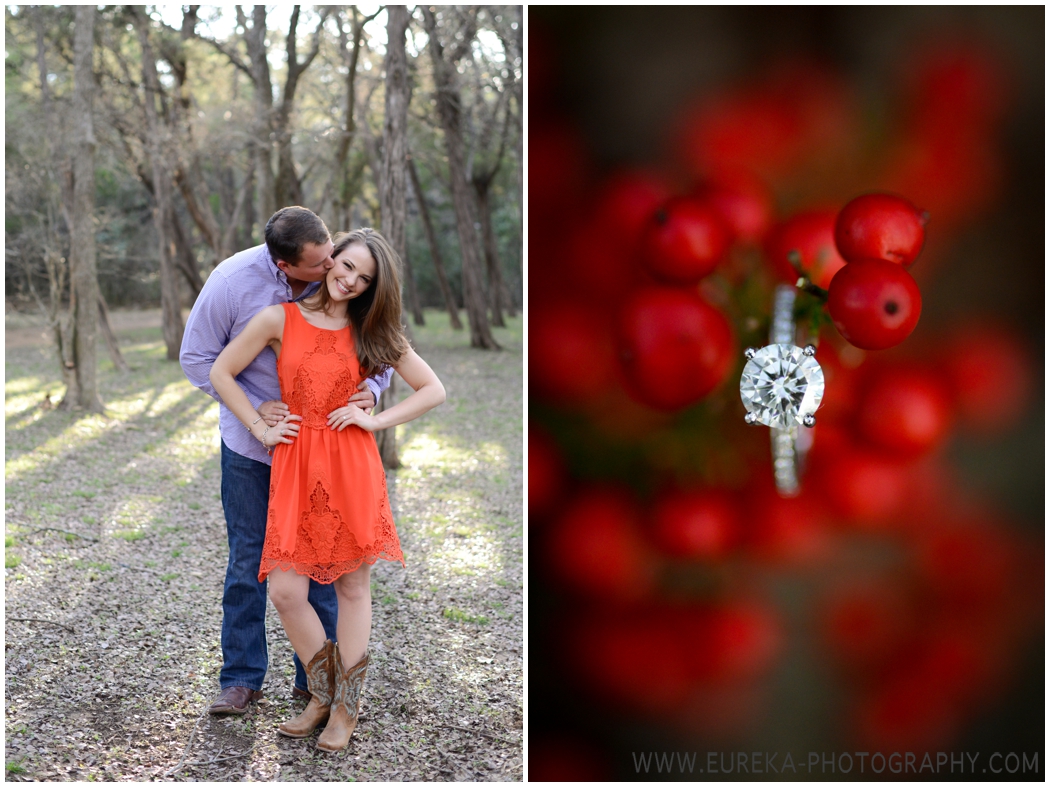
<point>284,266</point>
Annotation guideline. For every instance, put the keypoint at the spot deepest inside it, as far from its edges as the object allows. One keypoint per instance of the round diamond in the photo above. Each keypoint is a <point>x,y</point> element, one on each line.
<point>781,385</point>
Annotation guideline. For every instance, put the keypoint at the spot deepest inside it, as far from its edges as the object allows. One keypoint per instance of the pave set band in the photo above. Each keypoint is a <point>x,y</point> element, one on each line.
<point>781,387</point>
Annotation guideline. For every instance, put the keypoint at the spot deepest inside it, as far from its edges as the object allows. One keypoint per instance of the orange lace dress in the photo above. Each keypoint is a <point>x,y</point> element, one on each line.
<point>329,509</point>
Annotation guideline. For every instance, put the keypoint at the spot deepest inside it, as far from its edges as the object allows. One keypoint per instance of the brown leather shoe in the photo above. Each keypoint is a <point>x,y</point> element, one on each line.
<point>234,699</point>
<point>319,679</point>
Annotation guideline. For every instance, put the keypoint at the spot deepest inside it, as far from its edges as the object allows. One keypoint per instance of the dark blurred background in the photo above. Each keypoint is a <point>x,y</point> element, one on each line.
<point>944,105</point>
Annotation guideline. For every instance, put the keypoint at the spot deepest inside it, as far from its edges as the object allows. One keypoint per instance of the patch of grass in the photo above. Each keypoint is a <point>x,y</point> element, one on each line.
<point>169,577</point>
<point>413,595</point>
<point>83,494</point>
<point>11,561</point>
<point>9,541</point>
<point>388,599</point>
<point>130,535</point>
<point>151,564</point>
<point>176,553</point>
<point>14,767</point>
<point>459,616</point>
<point>88,520</point>
<point>194,506</point>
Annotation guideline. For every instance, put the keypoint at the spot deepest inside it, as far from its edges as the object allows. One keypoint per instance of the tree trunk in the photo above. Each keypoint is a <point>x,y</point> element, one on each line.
<point>255,37</point>
<point>83,275</point>
<point>498,295</point>
<point>411,293</point>
<point>448,103</point>
<point>435,251</point>
<point>392,181</point>
<point>111,338</point>
<point>171,309</point>
<point>184,257</point>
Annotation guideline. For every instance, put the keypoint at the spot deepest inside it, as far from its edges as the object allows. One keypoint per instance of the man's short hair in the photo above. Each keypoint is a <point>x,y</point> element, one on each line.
<point>290,229</point>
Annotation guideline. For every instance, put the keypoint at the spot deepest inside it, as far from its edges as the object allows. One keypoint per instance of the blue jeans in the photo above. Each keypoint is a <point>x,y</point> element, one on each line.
<point>245,500</point>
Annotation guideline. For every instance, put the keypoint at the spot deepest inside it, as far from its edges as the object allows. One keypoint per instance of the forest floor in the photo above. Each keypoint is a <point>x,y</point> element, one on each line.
<point>115,555</point>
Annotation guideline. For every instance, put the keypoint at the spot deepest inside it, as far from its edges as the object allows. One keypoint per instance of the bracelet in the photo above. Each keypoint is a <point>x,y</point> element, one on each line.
<point>249,428</point>
<point>263,438</point>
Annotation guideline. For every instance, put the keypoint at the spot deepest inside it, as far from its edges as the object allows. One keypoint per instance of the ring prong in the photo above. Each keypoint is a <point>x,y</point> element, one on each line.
<point>750,352</point>
<point>809,421</point>
<point>751,419</point>
<point>810,350</point>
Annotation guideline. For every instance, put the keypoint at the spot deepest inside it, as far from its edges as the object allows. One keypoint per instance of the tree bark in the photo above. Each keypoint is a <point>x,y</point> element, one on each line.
<point>83,274</point>
<point>262,126</point>
<point>289,189</point>
<point>111,338</point>
<point>435,251</point>
<point>498,295</point>
<point>448,104</point>
<point>392,182</point>
<point>171,311</point>
<point>411,293</point>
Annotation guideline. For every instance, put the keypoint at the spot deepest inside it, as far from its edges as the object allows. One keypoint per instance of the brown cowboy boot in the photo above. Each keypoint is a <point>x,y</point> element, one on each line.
<point>346,702</point>
<point>319,680</point>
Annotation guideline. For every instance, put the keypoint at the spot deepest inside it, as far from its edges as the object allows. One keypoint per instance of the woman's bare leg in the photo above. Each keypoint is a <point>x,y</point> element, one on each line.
<point>354,592</point>
<point>288,592</point>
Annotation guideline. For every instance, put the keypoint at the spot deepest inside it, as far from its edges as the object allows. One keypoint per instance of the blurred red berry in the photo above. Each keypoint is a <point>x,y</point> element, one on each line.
<point>636,659</point>
<point>880,227</point>
<point>683,241</point>
<point>744,204</point>
<point>990,376</point>
<point>675,348</point>
<point>791,531</point>
<point>700,524</point>
<point>595,546</point>
<point>812,235</point>
<point>905,409</point>
<point>736,640</point>
<point>597,266</point>
<point>863,486</point>
<point>571,355</point>
<point>564,760</point>
<point>557,172</point>
<point>875,304</point>
<point>966,564</point>
<point>864,625</point>
<point>546,472</point>
<point>626,202</point>
<point>905,714</point>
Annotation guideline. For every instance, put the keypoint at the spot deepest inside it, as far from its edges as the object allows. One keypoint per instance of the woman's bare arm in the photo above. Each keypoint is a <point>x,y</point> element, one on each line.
<point>429,393</point>
<point>265,329</point>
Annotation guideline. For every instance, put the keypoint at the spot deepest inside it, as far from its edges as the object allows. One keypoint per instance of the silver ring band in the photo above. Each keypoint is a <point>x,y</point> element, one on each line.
<point>788,455</point>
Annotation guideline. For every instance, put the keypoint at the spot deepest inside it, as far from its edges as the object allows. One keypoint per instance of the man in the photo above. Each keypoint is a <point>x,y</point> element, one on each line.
<point>297,254</point>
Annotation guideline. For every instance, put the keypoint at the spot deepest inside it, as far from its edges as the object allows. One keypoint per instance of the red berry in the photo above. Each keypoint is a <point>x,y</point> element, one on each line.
<point>863,486</point>
<point>546,471</point>
<point>880,227</point>
<point>875,304</point>
<point>595,546</point>
<point>990,376</point>
<point>572,359</point>
<point>737,640</point>
<point>812,235</point>
<point>675,348</point>
<point>684,240</point>
<point>626,202</point>
<point>698,524</point>
<point>905,410</point>
<point>863,625</point>
<point>743,203</point>
<point>789,531</point>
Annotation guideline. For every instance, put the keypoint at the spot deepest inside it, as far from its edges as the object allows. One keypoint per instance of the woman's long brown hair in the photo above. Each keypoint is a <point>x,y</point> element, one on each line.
<point>375,314</point>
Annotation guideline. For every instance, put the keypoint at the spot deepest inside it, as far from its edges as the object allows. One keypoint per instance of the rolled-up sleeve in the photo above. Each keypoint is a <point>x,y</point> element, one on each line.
<point>207,333</point>
<point>380,382</point>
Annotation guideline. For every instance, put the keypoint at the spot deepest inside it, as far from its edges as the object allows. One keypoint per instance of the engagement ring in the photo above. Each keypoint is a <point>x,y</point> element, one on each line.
<point>781,387</point>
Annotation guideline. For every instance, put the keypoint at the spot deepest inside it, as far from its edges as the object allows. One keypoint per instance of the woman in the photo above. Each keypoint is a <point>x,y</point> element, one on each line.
<point>329,516</point>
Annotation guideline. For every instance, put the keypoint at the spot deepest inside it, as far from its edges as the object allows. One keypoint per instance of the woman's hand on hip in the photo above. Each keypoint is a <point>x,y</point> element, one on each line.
<point>351,415</point>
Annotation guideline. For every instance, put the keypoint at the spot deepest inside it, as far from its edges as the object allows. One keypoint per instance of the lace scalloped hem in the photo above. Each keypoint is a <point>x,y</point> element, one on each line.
<point>328,573</point>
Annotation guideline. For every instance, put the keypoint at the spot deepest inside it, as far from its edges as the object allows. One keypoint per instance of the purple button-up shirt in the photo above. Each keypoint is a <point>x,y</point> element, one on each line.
<point>237,290</point>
